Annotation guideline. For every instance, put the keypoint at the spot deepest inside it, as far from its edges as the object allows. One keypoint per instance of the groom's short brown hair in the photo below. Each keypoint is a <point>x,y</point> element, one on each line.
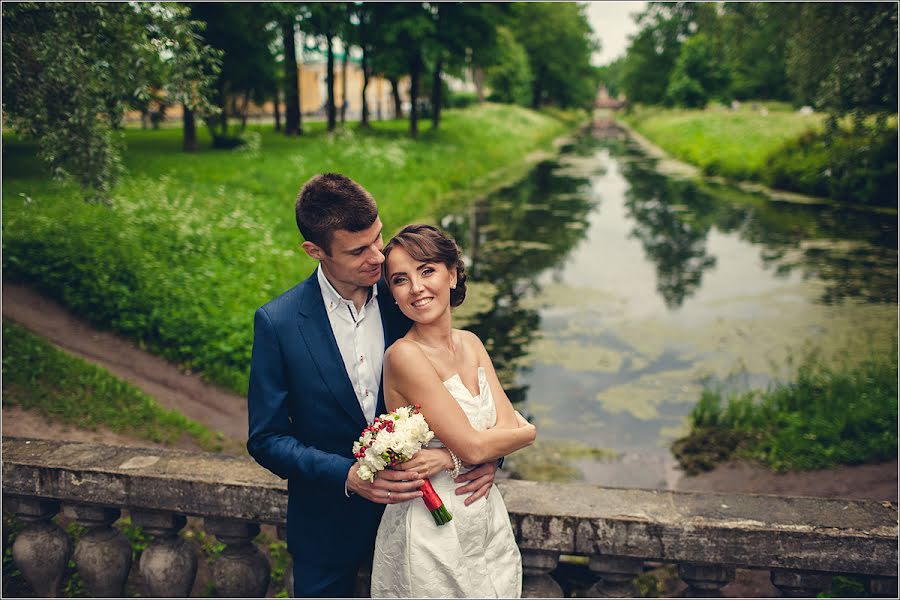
<point>329,202</point>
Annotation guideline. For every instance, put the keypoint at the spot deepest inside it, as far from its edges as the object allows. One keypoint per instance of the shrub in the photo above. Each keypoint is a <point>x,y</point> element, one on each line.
<point>850,166</point>
<point>461,99</point>
<point>825,417</point>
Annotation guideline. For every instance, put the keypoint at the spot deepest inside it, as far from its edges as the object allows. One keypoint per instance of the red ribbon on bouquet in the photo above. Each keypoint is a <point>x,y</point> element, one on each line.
<point>434,504</point>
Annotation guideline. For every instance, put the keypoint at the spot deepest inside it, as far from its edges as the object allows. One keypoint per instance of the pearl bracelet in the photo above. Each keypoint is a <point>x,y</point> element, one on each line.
<point>457,464</point>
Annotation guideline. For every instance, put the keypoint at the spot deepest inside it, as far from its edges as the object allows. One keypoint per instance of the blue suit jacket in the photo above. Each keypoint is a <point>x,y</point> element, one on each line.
<point>304,418</point>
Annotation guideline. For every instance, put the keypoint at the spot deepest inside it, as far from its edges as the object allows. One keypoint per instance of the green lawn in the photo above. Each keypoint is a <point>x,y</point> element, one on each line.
<point>191,244</point>
<point>720,141</point>
<point>37,376</point>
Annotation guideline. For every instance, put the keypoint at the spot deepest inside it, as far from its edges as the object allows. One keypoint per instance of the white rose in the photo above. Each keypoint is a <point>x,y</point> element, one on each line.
<point>374,460</point>
<point>365,473</point>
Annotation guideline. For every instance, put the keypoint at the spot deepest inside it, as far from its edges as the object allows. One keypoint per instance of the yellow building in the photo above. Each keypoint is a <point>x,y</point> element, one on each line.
<point>312,74</point>
<point>313,85</point>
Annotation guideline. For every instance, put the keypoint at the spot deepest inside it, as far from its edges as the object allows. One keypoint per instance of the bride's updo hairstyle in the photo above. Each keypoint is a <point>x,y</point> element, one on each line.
<point>426,243</point>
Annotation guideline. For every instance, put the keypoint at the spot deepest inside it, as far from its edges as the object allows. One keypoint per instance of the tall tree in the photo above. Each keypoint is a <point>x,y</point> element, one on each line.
<point>326,21</point>
<point>856,71</point>
<point>72,69</point>
<point>651,56</point>
<point>243,34</point>
<point>559,42</point>
<point>345,62</point>
<point>508,72</point>
<point>754,36</point>
<point>362,16</point>
<point>460,29</point>
<point>699,74</point>
<point>383,57</point>
<point>404,30</point>
<point>288,13</point>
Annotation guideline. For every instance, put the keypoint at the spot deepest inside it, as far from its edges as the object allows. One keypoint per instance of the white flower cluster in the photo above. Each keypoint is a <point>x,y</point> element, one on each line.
<point>392,438</point>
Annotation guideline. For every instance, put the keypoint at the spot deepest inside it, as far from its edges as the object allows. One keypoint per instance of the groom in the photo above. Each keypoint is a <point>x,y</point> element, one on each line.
<point>315,383</point>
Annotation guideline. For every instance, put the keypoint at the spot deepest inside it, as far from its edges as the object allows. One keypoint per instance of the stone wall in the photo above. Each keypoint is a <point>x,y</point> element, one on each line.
<point>803,542</point>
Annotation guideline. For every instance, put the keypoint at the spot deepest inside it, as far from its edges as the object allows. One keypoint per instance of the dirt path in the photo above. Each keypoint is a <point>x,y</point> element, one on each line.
<point>211,405</point>
<point>864,482</point>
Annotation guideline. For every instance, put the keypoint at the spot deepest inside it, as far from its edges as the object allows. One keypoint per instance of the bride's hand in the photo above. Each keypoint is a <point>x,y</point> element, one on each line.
<point>428,462</point>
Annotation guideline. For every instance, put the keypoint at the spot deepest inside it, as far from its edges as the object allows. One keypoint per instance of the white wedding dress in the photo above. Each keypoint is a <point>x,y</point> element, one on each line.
<point>473,556</point>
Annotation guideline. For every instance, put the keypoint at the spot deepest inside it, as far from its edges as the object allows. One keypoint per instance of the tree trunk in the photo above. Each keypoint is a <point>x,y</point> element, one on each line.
<point>478,79</point>
<point>364,117</point>
<point>415,69</point>
<point>189,138</point>
<point>329,108</point>
<point>277,104</point>
<point>436,94</point>
<point>291,87</point>
<point>344,101</point>
<point>245,101</point>
<point>395,93</point>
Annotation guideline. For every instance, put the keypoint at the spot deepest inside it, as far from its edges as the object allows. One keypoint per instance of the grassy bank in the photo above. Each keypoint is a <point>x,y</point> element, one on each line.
<point>720,141</point>
<point>37,376</point>
<point>826,416</point>
<point>779,147</point>
<point>192,243</point>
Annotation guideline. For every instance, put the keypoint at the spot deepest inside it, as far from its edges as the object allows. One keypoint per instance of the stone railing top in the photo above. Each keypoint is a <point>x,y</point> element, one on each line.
<point>751,530</point>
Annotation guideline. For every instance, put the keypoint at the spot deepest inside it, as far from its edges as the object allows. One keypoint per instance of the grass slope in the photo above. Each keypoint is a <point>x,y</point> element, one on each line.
<point>720,141</point>
<point>37,376</point>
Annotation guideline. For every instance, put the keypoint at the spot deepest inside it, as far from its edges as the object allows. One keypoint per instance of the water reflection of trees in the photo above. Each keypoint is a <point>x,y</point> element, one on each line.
<point>663,211</point>
<point>509,239</point>
<point>852,251</point>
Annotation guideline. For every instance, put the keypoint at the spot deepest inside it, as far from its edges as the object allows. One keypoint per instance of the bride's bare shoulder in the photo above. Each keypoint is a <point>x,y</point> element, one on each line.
<point>405,363</point>
<point>404,351</point>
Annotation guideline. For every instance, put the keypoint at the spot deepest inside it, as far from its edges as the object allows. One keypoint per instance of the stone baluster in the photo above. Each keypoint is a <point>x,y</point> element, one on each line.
<point>281,531</point>
<point>615,576</point>
<point>882,587</point>
<point>168,565</point>
<point>705,581</point>
<point>103,553</point>
<point>536,579</point>
<point>241,570</point>
<point>41,550</point>
<point>799,584</point>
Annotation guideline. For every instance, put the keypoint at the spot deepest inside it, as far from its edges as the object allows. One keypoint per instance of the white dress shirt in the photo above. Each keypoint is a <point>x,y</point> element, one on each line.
<point>360,338</point>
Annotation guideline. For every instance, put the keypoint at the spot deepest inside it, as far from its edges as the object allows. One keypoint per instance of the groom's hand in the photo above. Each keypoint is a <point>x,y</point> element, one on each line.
<point>389,487</point>
<point>480,479</point>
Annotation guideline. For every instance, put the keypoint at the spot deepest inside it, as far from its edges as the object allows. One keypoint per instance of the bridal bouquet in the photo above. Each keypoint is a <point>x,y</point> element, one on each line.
<point>392,438</point>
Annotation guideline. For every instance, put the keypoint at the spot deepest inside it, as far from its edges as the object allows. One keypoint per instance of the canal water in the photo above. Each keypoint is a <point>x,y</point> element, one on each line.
<point>609,295</point>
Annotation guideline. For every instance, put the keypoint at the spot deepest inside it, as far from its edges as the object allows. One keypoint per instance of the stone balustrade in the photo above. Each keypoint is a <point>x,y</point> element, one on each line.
<point>612,535</point>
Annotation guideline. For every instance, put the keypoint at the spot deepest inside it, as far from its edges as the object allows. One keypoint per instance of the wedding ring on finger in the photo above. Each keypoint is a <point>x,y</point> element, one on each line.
<point>389,494</point>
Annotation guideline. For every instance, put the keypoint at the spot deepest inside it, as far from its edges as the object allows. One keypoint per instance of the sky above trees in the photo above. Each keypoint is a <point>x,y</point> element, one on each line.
<point>612,23</point>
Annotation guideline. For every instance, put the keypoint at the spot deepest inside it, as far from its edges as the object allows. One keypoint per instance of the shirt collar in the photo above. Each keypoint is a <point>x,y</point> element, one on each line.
<point>331,296</point>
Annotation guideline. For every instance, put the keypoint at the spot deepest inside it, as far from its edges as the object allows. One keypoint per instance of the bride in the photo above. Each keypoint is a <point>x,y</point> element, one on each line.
<point>450,375</point>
